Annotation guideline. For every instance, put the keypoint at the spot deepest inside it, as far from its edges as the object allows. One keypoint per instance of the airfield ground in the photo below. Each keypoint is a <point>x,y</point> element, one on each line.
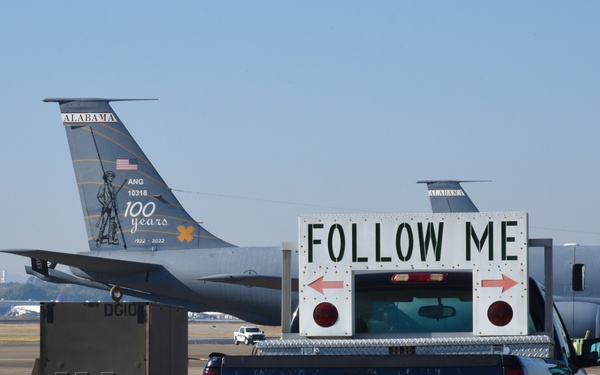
<point>19,344</point>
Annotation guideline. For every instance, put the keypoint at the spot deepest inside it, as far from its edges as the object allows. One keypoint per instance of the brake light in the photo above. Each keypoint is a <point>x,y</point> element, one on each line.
<point>325,314</point>
<point>419,277</point>
<point>514,371</point>
<point>500,313</point>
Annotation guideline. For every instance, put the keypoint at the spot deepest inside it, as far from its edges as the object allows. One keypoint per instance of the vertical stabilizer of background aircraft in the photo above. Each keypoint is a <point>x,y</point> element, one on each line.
<point>449,196</point>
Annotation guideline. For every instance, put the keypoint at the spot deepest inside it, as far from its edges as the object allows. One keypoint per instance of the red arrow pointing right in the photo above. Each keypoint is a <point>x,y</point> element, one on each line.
<point>506,283</point>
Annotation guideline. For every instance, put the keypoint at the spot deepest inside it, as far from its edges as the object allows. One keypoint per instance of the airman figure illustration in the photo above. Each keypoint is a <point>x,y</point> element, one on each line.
<point>107,196</point>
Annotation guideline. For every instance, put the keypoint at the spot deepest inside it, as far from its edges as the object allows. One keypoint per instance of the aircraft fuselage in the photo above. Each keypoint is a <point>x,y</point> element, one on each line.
<point>177,281</point>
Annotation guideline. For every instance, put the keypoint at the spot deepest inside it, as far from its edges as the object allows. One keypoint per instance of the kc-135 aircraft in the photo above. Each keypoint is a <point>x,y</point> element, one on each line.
<point>144,244</point>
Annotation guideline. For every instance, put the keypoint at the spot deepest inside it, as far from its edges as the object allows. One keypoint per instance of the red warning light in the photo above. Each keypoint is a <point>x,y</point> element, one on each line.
<point>500,313</point>
<point>419,277</point>
<point>325,314</point>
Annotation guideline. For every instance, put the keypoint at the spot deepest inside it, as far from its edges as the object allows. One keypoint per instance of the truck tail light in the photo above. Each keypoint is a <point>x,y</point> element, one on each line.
<point>514,371</point>
<point>213,366</point>
<point>325,314</point>
<point>419,277</point>
<point>500,313</point>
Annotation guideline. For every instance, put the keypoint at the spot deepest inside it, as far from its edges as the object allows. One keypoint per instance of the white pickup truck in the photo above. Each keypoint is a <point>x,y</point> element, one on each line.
<point>248,335</point>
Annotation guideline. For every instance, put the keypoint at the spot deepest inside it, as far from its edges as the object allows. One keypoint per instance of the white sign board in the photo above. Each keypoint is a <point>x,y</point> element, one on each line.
<point>493,245</point>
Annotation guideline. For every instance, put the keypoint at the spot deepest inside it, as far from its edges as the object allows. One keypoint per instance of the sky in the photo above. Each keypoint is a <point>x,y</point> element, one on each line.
<point>268,110</point>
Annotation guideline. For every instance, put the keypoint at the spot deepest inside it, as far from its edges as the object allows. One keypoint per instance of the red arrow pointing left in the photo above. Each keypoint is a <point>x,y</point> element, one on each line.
<point>506,283</point>
<point>320,284</point>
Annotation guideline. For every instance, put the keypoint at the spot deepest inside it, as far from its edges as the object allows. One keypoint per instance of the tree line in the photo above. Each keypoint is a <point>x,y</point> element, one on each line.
<point>37,290</point>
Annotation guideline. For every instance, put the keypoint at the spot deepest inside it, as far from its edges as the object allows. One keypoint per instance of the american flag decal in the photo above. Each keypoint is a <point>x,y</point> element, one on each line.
<point>127,164</point>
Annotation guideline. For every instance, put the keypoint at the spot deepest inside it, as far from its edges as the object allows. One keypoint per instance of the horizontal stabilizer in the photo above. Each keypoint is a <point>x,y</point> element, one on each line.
<point>269,282</point>
<point>86,262</point>
<point>55,276</point>
<point>66,100</point>
<point>58,277</point>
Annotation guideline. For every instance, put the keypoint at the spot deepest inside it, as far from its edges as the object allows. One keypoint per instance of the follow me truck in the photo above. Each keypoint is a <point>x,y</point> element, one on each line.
<point>417,294</point>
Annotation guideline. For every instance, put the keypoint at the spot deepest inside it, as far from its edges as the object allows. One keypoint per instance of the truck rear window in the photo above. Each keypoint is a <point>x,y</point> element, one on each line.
<point>397,312</point>
<point>384,306</point>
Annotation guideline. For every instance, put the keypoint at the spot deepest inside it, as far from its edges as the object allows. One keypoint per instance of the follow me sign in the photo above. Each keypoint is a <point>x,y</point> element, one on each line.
<point>492,245</point>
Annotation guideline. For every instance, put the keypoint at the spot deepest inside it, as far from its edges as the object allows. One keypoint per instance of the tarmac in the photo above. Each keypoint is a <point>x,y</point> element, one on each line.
<point>19,347</point>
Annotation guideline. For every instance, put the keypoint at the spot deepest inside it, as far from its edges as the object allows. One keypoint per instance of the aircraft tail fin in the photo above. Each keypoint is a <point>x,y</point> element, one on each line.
<point>126,203</point>
<point>449,196</point>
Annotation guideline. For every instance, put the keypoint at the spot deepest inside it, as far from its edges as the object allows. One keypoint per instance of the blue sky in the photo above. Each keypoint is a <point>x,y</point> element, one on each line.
<point>339,106</point>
